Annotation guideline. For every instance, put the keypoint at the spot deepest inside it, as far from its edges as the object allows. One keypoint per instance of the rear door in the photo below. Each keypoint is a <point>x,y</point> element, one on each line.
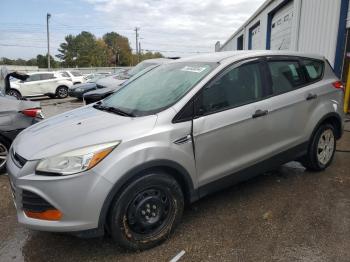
<point>48,83</point>
<point>227,136</point>
<point>289,106</point>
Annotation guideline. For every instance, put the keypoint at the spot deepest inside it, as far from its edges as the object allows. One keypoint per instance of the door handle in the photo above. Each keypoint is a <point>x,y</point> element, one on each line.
<point>311,96</point>
<point>259,113</point>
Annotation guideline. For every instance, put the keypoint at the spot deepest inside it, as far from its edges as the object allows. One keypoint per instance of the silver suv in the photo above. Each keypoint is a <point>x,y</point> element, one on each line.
<point>128,164</point>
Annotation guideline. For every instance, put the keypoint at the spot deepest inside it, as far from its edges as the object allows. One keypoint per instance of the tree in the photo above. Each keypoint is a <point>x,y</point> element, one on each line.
<point>41,61</point>
<point>119,47</point>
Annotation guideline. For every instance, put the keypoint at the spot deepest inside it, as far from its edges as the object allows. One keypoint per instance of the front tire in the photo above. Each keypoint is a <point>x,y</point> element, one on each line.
<point>62,92</point>
<point>146,212</point>
<point>322,149</point>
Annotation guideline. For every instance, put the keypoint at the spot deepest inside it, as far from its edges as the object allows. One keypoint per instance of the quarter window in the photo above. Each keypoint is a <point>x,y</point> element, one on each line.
<point>238,86</point>
<point>313,68</point>
<point>285,75</point>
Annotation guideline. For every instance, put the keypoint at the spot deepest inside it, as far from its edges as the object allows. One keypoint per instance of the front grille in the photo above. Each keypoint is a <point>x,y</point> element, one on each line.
<point>19,161</point>
<point>34,203</point>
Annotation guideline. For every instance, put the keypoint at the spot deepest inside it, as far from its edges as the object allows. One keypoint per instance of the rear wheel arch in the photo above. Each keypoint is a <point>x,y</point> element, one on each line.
<point>175,170</point>
<point>332,118</point>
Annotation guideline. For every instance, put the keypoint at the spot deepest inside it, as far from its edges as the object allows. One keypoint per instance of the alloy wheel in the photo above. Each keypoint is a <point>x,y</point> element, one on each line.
<point>3,155</point>
<point>325,147</point>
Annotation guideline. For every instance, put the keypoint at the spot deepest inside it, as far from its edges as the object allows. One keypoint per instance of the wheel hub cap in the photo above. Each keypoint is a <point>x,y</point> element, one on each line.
<point>325,148</point>
<point>148,211</point>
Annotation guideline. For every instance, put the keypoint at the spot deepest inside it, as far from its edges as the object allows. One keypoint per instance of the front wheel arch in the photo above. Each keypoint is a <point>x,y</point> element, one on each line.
<point>174,169</point>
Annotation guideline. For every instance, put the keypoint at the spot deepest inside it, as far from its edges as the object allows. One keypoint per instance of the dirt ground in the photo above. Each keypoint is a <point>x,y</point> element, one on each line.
<point>285,215</point>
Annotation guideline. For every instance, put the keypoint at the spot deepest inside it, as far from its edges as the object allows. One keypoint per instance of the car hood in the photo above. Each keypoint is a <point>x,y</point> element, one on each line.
<point>87,85</point>
<point>79,128</point>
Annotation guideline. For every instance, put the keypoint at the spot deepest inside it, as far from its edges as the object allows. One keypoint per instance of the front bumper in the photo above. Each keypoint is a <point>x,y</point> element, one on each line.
<point>79,197</point>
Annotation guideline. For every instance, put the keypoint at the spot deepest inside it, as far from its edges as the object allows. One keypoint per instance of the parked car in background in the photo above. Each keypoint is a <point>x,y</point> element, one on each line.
<point>88,77</point>
<point>75,76</point>
<point>107,86</point>
<point>79,90</point>
<point>101,93</point>
<point>15,115</point>
<point>51,84</point>
<point>130,162</point>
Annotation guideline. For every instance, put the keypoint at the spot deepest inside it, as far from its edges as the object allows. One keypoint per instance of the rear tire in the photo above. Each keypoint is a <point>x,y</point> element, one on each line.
<point>4,151</point>
<point>62,92</point>
<point>146,212</point>
<point>321,149</point>
<point>14,93</point>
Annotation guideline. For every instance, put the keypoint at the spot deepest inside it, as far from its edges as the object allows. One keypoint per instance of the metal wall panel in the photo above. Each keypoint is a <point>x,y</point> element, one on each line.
<point>318,31</point>
<point>348,20</point>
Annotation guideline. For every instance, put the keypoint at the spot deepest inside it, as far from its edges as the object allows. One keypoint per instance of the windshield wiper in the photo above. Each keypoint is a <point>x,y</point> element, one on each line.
<point>112,110</point>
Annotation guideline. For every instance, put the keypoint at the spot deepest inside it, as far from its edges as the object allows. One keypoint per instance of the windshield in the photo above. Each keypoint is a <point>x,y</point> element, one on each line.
<point>139,68</point>
<point>159,88</point>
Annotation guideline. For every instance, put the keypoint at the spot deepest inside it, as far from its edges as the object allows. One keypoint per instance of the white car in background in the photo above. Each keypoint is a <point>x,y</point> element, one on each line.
<point>75,76</point>
<point>51,84</point>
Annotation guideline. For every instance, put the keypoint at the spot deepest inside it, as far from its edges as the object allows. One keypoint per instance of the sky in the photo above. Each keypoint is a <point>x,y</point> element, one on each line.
<point>173,27</point>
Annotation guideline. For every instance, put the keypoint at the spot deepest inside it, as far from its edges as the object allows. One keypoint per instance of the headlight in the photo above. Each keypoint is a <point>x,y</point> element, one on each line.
<point>76,161</point>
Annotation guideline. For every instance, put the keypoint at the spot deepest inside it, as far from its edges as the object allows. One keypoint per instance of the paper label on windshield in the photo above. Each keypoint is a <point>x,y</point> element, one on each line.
<point>193,69</point>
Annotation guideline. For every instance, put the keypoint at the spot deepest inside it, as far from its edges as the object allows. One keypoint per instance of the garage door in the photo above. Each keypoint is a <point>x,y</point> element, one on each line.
<point>256,38</point>
<point>281,28</point>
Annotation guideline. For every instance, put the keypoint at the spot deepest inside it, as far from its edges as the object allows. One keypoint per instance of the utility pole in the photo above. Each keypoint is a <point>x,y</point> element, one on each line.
<point>48,40</point>
<point>137,42</point>
<point>140,49</point>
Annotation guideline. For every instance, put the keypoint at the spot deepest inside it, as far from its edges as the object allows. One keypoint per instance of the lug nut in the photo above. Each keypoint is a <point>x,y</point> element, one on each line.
<point>147,205</point>
<point>154,207</point>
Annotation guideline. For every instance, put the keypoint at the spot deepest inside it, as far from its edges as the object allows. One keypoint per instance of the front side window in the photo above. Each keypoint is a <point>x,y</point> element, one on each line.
<point>35,77</point>
<point>313,68</point>
<point>158,89</point>
<point>238,86</point>
<point>285,75</point>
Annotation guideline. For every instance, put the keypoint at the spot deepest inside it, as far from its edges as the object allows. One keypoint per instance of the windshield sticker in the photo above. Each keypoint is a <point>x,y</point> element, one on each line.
<point>193,69</point>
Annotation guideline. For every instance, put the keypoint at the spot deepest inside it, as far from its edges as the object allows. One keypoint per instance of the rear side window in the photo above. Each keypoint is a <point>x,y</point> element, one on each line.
<point>285,75</point>
<point>238,86</point>
<point>65,74</point>
<point>76,73</point>
<point>314,69</point>
<point>46,76</point>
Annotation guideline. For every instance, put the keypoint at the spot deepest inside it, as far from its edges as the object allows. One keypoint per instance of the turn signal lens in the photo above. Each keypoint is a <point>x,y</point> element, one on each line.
<point>51,215</point>
<point>97,157</point>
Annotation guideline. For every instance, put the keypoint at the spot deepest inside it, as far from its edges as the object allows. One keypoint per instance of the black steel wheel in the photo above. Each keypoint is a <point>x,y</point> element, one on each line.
<point>146,212</point>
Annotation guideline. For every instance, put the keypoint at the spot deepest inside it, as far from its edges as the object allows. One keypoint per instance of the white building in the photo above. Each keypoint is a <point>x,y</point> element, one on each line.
<point>316,26</point>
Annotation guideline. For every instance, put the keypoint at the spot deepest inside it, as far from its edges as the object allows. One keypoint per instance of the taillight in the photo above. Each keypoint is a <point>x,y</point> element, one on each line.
<point>33,112</point>
<point>338,85</point>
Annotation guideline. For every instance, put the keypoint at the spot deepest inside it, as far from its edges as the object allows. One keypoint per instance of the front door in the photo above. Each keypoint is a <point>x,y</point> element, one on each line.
<point>227,133</point>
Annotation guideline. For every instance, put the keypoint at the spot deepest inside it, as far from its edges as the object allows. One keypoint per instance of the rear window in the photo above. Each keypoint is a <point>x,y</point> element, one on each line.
<point>285,75</point>
<point>313,69</point>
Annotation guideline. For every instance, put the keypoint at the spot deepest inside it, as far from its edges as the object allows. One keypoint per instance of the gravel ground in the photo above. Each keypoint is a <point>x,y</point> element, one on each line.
<point>285,215</point>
